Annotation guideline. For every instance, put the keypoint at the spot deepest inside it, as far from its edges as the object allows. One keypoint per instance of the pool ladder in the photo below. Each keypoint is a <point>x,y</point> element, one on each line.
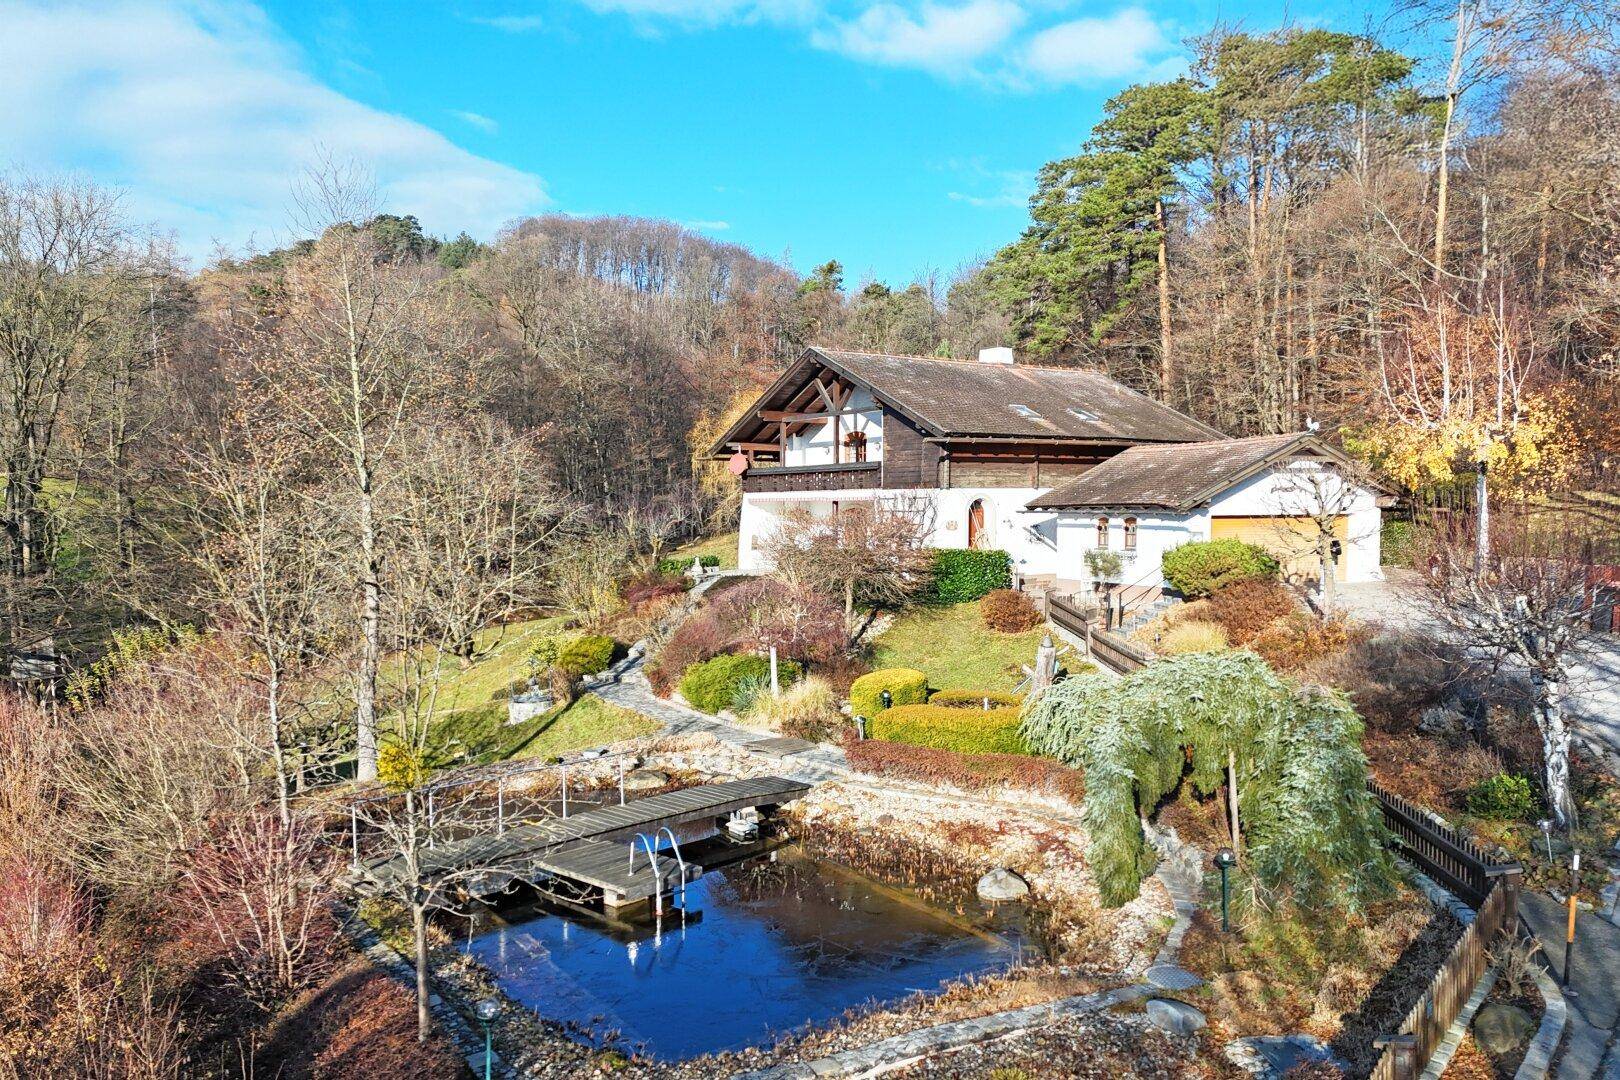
<point>651,848</point>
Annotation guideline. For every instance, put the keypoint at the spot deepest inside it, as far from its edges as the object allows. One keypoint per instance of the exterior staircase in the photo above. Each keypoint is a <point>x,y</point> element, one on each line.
<point>1147,613</point>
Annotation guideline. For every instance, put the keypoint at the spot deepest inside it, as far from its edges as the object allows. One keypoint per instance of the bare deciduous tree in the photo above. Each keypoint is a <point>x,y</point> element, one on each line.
<point>871,552</point>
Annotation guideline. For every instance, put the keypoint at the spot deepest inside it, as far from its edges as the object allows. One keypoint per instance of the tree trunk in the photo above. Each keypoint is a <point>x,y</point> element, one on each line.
<point>278,754</point>
<point>1167,370</point>
<point>424,1019</point>
<point>1459,46</point>
<point>1555,747</point>
<point>365,689</point>
<point>1482,525</point>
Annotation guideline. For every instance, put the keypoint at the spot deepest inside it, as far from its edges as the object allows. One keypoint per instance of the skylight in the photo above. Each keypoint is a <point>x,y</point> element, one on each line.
<point>1025,411</point>
<point>1081,414</point>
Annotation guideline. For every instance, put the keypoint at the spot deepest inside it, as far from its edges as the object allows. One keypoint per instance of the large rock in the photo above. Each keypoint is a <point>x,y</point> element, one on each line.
<point>1502,1028</point>
<point>1442,720</point>
<point>1174,1016</point>
<point>1002,884</point>
<point>645,779</point>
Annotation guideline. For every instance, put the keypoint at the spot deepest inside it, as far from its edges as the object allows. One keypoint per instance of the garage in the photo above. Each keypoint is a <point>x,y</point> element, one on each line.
<point>1291,539</point>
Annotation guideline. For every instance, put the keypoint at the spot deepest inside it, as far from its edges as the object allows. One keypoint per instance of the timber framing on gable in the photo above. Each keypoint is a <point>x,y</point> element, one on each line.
<point>811,393</point>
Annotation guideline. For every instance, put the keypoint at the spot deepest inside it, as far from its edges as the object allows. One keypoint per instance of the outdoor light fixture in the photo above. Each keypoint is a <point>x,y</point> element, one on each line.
<point>1225,858</point>
<point>487,1009</point>
<point>1545,825</point>
<point>886,697</point>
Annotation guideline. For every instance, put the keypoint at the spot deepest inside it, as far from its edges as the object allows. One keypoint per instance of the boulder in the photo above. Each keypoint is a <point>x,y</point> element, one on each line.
<point>1176,1017</point>
<point>1500,1029</point>
<point>1440,720</point>
<point>645,779</point>
<point>1002,884</point>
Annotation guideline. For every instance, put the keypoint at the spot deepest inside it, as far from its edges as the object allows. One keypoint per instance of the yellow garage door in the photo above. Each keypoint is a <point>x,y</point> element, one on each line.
<point>1291,539</point>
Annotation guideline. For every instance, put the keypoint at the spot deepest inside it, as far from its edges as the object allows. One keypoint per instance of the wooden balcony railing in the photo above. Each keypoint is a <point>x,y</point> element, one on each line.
<point>845,477</point>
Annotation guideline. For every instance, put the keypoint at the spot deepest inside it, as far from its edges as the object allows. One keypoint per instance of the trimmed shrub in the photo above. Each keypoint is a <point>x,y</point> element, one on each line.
<point>970,772</point>
<point>1503,797</point>
<point>967,731</point>
<point>973,699</point>
<point>963,574</point>
<point>1191,637</point>
<point>906,686</point>
<point>573,654</point>
<point>1248,608</point>
<point>1199,568</point>
<point>1009,611</point>
<point>714,684</point>
<point>677,566</point>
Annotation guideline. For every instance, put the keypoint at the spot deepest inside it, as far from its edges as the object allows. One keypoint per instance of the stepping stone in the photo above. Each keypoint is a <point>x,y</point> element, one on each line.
<point>1176,1017</point>
<point>1172,977</point>
<point>780,746</point>
<point>1280,1053</point>
<point>1002,884</point>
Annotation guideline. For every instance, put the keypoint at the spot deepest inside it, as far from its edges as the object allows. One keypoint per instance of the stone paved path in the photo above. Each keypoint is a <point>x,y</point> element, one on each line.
<point>1594,1007</point>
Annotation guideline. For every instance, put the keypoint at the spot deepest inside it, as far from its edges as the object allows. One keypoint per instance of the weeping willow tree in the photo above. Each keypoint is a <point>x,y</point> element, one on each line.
<point>1313,830</point>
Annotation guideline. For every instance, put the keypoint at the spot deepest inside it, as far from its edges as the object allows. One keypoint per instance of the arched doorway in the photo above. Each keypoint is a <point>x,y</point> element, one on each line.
<point>976,536</point>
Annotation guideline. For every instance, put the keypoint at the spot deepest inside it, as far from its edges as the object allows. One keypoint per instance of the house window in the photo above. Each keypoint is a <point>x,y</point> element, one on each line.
<point>1130,534</point>
<point>1102,533</point>
<point>856,442</point>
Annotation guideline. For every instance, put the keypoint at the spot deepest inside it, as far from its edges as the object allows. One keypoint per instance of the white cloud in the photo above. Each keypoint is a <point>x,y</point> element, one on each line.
<point>205,116</point>
<point>710,12</point>
<point>477,120</point>
<point>943,38</point>
<point>1125,44</point>
<point>706,226</point>
<point>511,24</point>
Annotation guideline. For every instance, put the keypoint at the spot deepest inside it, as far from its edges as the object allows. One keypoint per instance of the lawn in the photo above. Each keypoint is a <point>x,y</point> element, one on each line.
<point>951,645</point>
<point>724,545</point>
<point>471,724</point>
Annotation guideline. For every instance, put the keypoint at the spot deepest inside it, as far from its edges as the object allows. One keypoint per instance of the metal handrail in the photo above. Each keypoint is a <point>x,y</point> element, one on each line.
<point>1156,576</point>
<point>652,860</point>
<point>675,845</point>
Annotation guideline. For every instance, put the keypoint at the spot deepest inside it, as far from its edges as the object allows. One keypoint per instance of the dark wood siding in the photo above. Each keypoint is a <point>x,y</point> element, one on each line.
<point>909,461</point>
<point>1019,466</point>
<point>813,478</point>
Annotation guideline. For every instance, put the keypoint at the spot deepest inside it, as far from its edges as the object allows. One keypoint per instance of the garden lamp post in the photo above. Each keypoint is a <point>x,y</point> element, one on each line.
<point>1545,825</point>
<point>486,1010</point>
<point>1225,859</point>
<point>887,698</point>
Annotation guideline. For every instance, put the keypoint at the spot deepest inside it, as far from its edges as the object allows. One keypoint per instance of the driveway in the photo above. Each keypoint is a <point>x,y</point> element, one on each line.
<point>1398,603</point>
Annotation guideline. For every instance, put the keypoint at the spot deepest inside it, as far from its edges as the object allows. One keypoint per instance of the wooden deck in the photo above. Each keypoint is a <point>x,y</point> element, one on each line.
<point>528,852</point>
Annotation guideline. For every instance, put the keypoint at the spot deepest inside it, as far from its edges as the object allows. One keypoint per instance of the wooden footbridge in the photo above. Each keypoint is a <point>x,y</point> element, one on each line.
<point>579,854</point>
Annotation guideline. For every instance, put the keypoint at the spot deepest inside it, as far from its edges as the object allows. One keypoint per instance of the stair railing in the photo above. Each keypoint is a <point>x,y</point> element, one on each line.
<point>1118,609</point>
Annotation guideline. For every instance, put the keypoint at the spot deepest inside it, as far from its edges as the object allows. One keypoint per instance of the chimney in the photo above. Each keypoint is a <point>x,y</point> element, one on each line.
<point>999,355</point>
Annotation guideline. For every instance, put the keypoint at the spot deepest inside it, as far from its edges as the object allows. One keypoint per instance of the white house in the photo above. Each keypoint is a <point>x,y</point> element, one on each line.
<point>1044,463</point>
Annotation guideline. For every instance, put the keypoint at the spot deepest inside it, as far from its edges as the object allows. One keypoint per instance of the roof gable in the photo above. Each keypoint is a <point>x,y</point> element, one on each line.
<point>957,398</point>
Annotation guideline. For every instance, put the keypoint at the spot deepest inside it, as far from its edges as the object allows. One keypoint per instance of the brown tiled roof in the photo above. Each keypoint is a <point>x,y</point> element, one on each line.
<point>1177,478</point>
<point>966,398</point>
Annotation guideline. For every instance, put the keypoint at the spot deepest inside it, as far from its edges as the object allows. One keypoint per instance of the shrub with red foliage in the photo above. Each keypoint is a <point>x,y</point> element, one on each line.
<point>643,588</point>
<point>970,772</point>
<point>750,618</point>
<point>1247,608</point>
<point>699,638</point>
<point>1009,611</point>
<point>357,1022</point>
<point>1300,641</point>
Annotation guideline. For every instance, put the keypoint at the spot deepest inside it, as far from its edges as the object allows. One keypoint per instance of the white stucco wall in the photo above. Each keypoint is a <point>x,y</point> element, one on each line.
<point>1269,494</point>
<point>814,446</point>
<point>1004,518</point>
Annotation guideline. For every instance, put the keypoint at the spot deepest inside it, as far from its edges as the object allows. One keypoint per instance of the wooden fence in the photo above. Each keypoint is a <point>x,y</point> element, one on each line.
<point>1491,888</point>
<point>1112,649</point>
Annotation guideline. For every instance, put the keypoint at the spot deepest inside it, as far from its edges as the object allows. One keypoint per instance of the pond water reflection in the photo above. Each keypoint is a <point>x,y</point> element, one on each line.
<point>768,946</point>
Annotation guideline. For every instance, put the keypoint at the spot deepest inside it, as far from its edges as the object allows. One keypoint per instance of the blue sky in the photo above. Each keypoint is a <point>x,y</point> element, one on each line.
<point>892,135</point>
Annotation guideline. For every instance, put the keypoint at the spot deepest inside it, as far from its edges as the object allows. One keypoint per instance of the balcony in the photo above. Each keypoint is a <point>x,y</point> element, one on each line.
<point>845,477</point>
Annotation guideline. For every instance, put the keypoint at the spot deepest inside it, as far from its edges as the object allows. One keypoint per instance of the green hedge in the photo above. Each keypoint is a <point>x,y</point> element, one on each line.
<point>1199,568</point>
<point>712,685</point>
<point>575,654</point>
<point>966,731</point>
<point>963,574</point>
<point>681,566</point>
<point>906,686</point>
<point>1397,542</point>
<point>974,699</point>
